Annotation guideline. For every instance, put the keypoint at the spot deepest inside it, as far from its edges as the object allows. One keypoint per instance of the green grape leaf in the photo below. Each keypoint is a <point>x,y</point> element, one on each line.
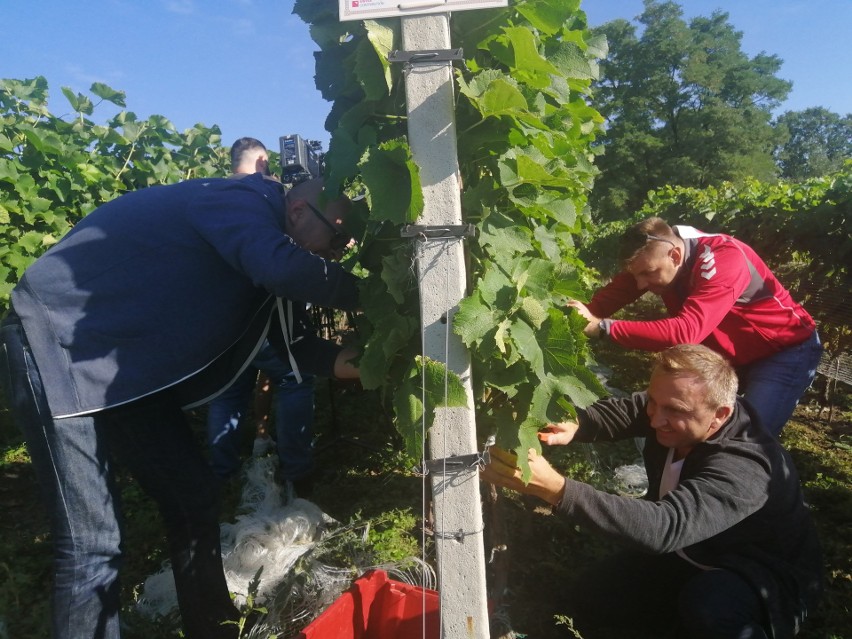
<point>105,92</point>
<point>79,102</point>
<point>496,289</point>
<point>549,16</point>
<point>572,62</point>
<point>559,343</point>
<point>393,183</point>
<point>526,57</point>
<point>532,311</point>
<point>524,338</point>
<point>427,385</point>
<point>473,319</point>
<point>505,378</point>
<point>501,98</point>
<point>397,274</point>
<point>381,38</point>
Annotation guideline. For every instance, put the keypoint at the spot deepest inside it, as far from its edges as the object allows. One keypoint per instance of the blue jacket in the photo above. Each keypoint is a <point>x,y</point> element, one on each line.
<point>169,285</point>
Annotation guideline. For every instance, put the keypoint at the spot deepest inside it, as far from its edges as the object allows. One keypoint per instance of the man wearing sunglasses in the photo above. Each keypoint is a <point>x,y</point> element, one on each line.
<point>152,304</point>
<point>718,292</point>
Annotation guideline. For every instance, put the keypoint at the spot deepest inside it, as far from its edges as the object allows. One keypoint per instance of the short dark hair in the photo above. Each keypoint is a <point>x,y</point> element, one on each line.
<point>636,239</point>
<point>240,148</point>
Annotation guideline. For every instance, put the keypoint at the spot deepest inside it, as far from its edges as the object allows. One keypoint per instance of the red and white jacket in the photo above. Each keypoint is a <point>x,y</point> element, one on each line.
<point>724,297</point>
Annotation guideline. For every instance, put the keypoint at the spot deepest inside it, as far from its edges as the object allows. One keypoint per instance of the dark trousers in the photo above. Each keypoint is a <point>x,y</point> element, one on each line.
<point>74,458</point>
<point>294,418</point>
<point>638,596</point>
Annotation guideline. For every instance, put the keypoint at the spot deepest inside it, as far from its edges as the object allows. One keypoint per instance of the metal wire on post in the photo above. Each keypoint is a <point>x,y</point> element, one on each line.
<point>449,236</point>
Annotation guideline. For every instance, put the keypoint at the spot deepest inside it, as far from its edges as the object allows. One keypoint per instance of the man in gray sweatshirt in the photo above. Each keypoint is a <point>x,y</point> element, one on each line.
<point>722,545</point>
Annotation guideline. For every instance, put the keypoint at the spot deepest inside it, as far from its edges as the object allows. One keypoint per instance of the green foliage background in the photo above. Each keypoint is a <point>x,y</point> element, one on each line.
<point>684,105</point>
<point>54,170</point>
<point>817,142</point>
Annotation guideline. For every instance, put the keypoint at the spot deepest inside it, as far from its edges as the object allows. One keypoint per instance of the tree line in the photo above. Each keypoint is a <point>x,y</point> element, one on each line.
<point>685,106</point>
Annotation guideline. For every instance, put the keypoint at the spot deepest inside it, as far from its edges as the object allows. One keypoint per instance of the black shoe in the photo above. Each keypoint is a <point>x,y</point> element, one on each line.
<point>303,487</point>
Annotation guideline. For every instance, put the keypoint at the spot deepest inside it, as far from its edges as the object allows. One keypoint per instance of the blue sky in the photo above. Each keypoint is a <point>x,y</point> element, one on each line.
<point>246,65</point>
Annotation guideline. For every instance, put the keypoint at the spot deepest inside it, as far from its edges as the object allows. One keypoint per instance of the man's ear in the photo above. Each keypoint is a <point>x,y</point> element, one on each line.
<point>295,211</point>
<point>676,254</point>
<point>721,416</point>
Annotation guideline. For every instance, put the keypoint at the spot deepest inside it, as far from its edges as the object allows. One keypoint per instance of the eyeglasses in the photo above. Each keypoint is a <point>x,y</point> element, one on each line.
<point>339,240</point>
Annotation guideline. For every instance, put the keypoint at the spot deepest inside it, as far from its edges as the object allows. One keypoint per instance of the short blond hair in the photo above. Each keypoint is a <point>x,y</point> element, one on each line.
<point>714,371</point>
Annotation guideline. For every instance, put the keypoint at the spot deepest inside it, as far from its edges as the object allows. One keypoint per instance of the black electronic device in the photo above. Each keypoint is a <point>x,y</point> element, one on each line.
<point>301,159</point>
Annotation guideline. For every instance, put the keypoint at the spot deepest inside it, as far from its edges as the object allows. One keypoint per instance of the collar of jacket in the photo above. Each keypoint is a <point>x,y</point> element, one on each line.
<point>271,189</point>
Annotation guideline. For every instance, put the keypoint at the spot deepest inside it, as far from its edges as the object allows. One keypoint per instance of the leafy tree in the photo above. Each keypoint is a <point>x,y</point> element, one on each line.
<point>818,143</point>
<point>684,105</point>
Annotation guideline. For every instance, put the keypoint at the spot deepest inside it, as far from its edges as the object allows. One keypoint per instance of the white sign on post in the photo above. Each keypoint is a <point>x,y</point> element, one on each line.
<point>368,9</point>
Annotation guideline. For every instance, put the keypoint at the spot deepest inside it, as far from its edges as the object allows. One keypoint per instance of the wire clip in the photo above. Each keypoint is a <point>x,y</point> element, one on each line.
<point>437,232</point>
<point>456,463</point>
<point>425,56</point>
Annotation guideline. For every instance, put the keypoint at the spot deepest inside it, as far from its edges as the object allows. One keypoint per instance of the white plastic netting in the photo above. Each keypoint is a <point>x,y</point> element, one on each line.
<point>266,552</point>
<point>272,533</point>
<point>629,479</point>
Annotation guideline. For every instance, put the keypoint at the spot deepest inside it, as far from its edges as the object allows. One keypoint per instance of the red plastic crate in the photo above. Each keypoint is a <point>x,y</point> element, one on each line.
<point>376,607</point>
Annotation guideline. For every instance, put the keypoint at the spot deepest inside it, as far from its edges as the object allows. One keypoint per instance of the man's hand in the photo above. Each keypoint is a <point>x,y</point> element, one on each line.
<point>343,367</point>
<point>592,329</point>
<point>546,483</point>
<point>558,434</point>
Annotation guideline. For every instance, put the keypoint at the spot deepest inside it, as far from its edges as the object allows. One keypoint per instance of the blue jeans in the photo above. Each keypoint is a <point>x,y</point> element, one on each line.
<point>74,461</point>
<point>294,417</point>
<point>774,384</point>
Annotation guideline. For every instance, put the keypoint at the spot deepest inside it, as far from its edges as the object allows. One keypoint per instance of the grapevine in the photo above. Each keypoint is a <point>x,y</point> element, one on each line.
<point>525,134</point>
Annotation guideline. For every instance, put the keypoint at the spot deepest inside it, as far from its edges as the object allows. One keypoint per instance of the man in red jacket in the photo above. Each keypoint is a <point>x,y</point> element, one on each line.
<point>718,292</point>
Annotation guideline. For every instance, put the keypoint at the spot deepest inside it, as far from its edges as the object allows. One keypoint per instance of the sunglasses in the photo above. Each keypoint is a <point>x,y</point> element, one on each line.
<point>339,240</point>
<point>657,238</point>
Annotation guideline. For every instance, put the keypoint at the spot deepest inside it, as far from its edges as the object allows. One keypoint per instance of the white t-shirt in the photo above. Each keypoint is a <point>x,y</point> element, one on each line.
<point>668,482</point>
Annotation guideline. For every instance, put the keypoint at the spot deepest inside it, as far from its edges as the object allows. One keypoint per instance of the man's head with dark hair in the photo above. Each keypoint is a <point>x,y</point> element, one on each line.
<point>639,237</point>
<point>652,253</point>
<point>316,219</point>
<point>249,155</point>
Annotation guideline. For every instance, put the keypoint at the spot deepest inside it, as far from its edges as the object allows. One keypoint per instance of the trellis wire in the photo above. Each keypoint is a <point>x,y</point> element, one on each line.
<point>420,256</point>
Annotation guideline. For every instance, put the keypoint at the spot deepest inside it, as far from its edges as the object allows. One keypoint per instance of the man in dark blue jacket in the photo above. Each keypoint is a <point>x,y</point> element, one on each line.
<point>152,304</point>
<point>294,392</point>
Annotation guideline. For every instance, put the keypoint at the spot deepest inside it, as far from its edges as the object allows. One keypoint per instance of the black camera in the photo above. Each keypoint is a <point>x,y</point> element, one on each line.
<point>301,159</point>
